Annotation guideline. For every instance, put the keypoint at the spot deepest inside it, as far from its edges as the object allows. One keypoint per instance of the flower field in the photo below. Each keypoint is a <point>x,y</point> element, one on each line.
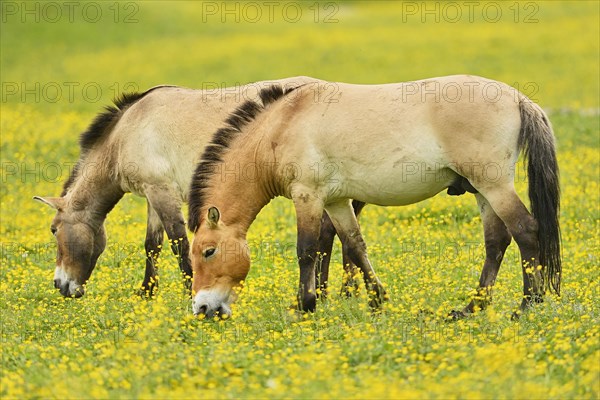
<point>58,72</point>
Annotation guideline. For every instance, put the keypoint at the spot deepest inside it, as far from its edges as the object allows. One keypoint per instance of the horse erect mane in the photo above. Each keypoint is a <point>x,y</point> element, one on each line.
<point>101,127</point>
<point>221,142</point>
<point>103,121</point>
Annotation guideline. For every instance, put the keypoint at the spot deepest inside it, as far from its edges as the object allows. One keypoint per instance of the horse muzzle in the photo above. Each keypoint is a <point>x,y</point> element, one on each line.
<point>211,303</point>
<point>67,287</point>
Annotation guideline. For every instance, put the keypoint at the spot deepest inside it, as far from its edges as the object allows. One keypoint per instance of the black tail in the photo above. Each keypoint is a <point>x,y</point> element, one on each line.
<point>537,141</point>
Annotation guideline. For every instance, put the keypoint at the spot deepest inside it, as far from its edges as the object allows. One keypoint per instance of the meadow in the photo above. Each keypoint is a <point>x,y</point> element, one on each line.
<point>61,62</point>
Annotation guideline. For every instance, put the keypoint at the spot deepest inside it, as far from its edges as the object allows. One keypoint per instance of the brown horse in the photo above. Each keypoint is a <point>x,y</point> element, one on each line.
<point>149,145</point>
<point>389,145</point>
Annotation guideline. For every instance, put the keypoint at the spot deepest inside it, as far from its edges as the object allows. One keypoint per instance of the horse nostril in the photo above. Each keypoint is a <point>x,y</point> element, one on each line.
<point>78,292</point>
<point>202,309</point>
<point>224,312</point>
<point>56,284</point>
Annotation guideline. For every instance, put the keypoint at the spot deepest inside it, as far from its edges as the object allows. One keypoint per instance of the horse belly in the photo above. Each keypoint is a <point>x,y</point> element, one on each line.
<point>405,184</point>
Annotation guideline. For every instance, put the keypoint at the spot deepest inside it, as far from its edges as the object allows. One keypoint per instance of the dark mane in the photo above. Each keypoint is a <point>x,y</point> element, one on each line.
<point>221,142</point>
<point>101,127</point>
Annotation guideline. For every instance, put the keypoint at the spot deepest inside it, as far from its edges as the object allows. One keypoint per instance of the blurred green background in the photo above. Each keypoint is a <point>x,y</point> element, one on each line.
<point>548,49</point>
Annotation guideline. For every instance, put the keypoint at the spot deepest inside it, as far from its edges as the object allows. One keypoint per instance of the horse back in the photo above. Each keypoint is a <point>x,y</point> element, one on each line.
<point>158,140</point>
<point>399,143</point>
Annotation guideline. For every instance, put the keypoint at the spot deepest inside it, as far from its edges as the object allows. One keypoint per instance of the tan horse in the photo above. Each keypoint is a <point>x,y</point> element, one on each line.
<point>148,145</point>
<point>389,145</point>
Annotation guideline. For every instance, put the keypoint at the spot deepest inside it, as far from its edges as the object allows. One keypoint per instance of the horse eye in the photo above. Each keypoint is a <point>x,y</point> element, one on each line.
<point>53,230</point>
<point>209,252</point>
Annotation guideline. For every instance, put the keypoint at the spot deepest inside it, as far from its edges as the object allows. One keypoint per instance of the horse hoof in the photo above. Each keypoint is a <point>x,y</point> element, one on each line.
<point>308,303</point>
<point>527,304</point>
<point>146,292</point>
<point>308,308</point>
<point>376,303</point>
<point>456,315</point>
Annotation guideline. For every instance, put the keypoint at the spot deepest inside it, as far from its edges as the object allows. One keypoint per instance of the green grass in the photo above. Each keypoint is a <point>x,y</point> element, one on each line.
<point>112,344</point>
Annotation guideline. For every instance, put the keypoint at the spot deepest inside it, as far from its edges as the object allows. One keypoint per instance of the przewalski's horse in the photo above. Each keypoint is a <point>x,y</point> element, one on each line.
<point>450,128</point>
<point>149,145</point>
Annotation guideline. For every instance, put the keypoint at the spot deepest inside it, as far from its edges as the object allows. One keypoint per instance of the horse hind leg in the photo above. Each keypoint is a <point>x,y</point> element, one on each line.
<point>328,232</point>
<point>353,245</point>
<point>153,246</point>
<point>349,283</point>
<point>497,238</point>
<point>524,229</point>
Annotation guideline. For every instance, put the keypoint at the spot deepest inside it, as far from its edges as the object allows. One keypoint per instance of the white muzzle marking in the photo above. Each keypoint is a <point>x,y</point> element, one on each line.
<point>212,301</point>
<point>67,286</point>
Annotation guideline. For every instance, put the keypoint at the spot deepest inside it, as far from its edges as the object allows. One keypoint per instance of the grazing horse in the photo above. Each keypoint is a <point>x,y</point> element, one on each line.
<point>149,145</point>
<point>389,145</point>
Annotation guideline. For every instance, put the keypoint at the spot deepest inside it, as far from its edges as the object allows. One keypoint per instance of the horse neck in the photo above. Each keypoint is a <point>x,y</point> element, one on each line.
<point>93,192</point>
<point>240,189</point>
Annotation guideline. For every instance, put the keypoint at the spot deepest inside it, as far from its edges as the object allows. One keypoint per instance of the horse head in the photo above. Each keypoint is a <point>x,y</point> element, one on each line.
<point>220,261</point>
<point>79,244</point>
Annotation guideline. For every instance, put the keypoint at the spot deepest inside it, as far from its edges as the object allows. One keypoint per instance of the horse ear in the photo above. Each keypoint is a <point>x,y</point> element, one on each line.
<point>54,202</point>
<point>213,217</point>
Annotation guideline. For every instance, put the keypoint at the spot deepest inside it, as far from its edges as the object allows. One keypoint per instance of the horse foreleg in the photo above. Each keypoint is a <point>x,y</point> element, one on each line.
<point>309,211</point>
<point>524,229</point>
<point>344,220</point>
<point>168,208</point>
<point>153,246</point>
<point>497,239</point>
<point>325,247</point>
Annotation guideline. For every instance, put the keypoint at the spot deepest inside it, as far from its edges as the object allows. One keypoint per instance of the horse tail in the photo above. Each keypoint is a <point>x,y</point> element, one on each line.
<point>536,139</point>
